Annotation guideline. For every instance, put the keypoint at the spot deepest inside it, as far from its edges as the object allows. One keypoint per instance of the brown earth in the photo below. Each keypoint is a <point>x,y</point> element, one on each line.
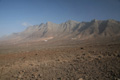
<point>77,61</point>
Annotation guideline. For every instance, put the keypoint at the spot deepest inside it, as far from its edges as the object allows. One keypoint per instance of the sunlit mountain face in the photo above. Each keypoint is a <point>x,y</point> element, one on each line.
<point>71,30</point>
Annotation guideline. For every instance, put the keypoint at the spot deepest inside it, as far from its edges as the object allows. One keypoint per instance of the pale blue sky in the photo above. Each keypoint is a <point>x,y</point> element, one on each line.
<point>16,15</point>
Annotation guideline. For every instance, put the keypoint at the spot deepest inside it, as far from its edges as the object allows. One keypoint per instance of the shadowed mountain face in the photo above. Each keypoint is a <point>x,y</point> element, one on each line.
<point>68,30</point>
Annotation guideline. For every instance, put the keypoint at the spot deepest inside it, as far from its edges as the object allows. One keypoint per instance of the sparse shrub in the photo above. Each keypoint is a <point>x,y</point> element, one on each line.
<point>81,48</point>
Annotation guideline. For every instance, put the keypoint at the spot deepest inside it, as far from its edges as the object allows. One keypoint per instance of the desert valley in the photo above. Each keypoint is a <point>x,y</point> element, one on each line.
<point>68,51</point>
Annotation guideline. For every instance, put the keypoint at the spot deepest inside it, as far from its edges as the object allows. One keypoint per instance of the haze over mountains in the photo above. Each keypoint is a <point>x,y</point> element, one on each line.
<point>69,30</point>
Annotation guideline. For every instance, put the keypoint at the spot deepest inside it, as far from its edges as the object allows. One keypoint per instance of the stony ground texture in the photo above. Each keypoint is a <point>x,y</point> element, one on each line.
<point>73,62</point>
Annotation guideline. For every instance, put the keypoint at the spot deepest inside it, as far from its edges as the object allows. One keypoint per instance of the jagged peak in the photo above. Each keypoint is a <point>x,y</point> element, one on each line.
<point>41,24</point>
<point>94,20</point>
<point>72,21</point>
<point>49,22</point>
<point>111,20</point>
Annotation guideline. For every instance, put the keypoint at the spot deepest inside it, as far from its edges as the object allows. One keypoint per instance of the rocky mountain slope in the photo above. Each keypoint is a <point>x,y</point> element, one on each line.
<point>68,30</point>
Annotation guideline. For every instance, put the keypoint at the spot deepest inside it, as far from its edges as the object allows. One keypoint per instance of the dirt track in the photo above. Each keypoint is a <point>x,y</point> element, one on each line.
<point>88,62</point>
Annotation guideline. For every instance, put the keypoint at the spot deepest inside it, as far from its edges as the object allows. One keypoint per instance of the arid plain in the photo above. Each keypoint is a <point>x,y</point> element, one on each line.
<point>67,51</point>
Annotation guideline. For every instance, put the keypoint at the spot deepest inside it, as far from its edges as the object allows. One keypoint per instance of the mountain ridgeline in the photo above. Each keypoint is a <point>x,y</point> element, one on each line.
<point>71,30</point>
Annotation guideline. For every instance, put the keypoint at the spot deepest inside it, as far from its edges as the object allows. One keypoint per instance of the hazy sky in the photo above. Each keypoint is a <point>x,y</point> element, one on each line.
<point>16,15</point>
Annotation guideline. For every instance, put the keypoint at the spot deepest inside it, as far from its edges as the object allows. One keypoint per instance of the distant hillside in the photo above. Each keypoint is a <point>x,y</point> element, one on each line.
<point>68,30</point>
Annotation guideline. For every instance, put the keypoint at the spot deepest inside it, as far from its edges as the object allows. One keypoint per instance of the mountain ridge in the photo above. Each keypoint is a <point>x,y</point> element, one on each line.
<point>68,30</point>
